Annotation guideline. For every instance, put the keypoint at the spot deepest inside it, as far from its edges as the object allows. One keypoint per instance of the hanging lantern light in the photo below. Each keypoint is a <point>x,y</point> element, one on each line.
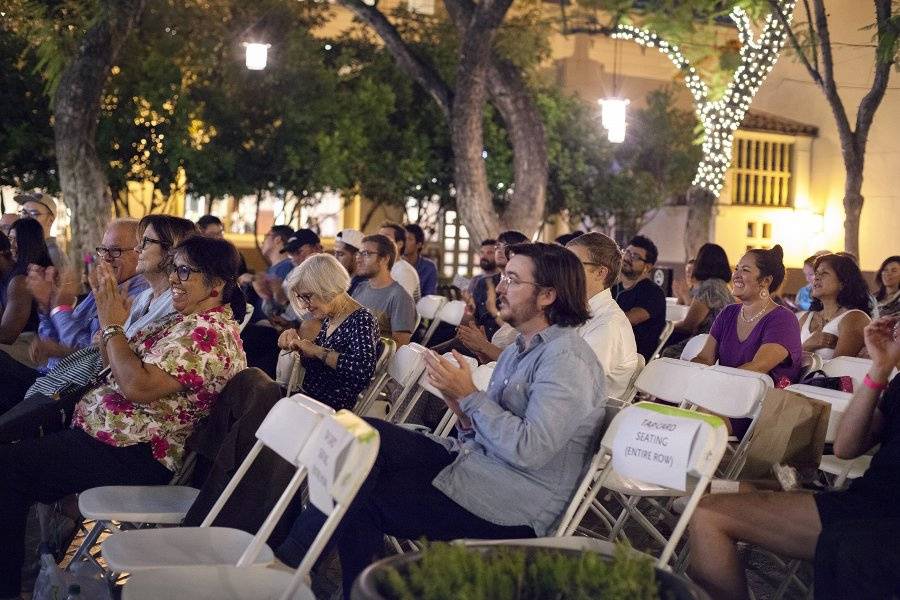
<point>613,117</point>
<point>256,55</point>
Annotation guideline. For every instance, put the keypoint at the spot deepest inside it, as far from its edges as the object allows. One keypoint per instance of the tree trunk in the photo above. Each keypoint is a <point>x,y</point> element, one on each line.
<point>700,212</point>
<point>853,204</point>
<point>82,177</point>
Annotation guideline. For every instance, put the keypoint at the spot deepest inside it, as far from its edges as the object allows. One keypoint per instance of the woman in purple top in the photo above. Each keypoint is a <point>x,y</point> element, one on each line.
<point>756,333</point>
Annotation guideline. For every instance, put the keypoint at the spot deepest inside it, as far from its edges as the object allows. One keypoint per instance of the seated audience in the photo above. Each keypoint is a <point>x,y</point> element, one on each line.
<point>389,302</point>
<point>158,235</point>
<point>131,430</point>
<point>6,221</point>
<point>346,244</point>
<point>643,302</point>
<point>42,208</point>
<point>484,288</point>
<point>64,329</point>
<point>486,261</point>
<point>564,239</point>
<point>425,267</point>
<point>839,311</point>
<point>887,281</point>
<point>268,284</point>
<point>19,322</point>
<point>756,334</point>
<point>803,299</point>
<point>530,435</point>
<point>790,523</point>
<point>682,287</point>
<point>710,275</point>
<point>212,226</point>
<point>608,331</point>
<point>402,272</point>
<point>340,362</point>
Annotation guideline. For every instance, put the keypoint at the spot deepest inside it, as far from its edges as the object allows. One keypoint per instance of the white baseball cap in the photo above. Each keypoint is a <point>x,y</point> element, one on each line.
<point>43,199</point>
<point>351,237</point>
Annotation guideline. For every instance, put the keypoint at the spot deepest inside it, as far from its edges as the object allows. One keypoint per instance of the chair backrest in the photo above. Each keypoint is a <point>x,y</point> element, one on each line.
<point>694,346</point>
<point>452,312</point>
<point>482,375</point>
<point>667,378</point>
<point>247,316</point>
<point>676,312</point>
<point>810,362</point>
<point>730,392</point>
<point>385,348</point>
<point>426,384</point>
<point>855,368</point>
<point>428,306</point>
<point>339,458</point>
<point>629,393</point>
<point>837,399</point>
<point>407,363</point>
<point>667,330</point>
<point>706,451</point>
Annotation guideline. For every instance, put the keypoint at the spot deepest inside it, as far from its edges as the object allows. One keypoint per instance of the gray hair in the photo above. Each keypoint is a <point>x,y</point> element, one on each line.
<point>321,275</point>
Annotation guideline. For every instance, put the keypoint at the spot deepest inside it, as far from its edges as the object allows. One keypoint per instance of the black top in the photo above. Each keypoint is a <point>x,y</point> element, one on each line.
<point>33,319</point>
<point>649,296</point>
<point>479,296</point>
<point>356,341</point>
<point>883,476</point>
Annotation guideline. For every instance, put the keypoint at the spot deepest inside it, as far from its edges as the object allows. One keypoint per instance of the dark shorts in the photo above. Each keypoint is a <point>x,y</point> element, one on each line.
<point>855,505</point>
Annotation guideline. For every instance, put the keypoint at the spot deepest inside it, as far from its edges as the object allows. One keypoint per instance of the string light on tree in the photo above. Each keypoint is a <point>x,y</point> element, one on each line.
<point>721,118</point>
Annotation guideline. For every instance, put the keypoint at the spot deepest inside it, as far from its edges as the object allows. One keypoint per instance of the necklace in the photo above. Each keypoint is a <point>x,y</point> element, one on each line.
<point>756,316</point>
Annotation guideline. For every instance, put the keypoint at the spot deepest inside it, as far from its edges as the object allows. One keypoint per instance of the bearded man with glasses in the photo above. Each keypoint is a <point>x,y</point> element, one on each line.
<point>643,302</point>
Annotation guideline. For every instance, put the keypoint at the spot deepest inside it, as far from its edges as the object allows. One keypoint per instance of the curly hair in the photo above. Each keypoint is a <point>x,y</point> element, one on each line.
<point>854,292</point>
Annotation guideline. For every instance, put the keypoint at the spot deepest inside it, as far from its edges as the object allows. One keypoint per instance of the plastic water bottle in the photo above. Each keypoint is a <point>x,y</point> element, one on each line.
<point>74,592</point>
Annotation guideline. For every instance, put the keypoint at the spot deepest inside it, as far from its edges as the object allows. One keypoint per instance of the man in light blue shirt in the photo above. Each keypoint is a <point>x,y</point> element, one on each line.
<point>524,443</point>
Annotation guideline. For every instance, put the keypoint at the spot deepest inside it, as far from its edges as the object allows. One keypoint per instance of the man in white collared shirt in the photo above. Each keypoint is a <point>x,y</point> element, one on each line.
<point>608,332</point>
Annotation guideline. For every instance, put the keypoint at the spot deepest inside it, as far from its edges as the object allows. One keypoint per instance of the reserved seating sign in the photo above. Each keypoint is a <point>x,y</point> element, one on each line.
<point>323,460</point>
<point>654,447</point>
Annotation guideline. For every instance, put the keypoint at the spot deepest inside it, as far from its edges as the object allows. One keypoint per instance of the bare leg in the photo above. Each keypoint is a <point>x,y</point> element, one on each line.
<point>786,523</point>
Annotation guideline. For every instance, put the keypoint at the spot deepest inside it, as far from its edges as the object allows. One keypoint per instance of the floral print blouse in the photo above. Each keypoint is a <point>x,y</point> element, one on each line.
<point>202,351</point>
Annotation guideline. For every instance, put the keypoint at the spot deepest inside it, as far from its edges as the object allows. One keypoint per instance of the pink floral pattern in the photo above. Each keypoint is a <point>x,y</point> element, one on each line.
<point>202,351</point>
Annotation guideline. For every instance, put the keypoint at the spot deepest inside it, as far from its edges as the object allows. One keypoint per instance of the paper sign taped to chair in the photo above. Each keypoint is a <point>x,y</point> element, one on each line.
<point>654,448</point>
<point>323,457</point>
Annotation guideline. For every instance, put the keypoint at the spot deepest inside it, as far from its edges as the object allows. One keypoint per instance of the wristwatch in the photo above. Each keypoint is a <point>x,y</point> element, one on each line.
<point>110,331</point>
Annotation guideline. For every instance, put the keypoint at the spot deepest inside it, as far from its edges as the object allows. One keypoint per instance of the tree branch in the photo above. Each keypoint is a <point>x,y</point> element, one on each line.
<point>424,74</point>
<point>869,104</point>
<point>828,84</point>
<point>812,70</point>
<point>742,22</point>
<point>813,33</point>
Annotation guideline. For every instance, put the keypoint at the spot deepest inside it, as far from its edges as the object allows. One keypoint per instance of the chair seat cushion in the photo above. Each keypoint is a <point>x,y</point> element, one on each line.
<point>162,504</point>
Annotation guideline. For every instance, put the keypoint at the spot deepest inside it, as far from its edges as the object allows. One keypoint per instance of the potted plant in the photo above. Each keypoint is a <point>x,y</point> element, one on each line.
<point>520,572</point>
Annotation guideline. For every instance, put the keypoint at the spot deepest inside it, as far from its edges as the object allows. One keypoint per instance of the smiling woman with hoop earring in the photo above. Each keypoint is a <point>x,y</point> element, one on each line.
<point>756,333</point>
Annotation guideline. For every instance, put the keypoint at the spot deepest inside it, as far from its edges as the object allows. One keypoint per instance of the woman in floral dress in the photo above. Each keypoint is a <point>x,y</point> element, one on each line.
<point>131,430</point>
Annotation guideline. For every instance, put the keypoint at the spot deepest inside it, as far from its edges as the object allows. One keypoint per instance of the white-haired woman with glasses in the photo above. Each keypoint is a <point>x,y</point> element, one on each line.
<point>340,362</point>
<point>131,429</point>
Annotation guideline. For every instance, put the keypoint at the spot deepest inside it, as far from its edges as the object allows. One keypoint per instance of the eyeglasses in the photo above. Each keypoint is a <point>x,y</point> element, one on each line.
<point>366,254</point>
<point>305,299</point>
<point>592,264</point>
<point>512,280</point>
<point>183,271</point>
<point>148,240</point>
<point>633,256</point>
<point>113,252</point>
<point>34,214</point>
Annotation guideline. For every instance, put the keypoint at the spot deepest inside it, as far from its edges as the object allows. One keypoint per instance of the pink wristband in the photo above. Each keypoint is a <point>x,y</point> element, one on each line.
<point>61,308</point>
<point>873,385</point>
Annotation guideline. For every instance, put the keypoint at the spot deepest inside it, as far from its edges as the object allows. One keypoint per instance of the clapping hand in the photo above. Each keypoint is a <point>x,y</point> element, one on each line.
<point>41,283</point>
<point>454,381</point>
<point>113,307</point>
<point>883,343</point>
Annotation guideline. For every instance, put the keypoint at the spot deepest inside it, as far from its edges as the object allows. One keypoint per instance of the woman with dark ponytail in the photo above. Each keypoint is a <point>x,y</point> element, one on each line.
<point>756,333</point>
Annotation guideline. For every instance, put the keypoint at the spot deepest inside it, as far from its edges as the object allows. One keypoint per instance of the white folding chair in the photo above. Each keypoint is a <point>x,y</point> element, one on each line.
<point>706,451</point>
<point>401,414</point>
<point>694,346</point>
<point>350,465</point>
<point>286,430</point>
<point>628,395</point>
<point>855,368</point>
<point>668,328</point>
<point>428,308</point>
<point>676,312</point>
<point>247,316</point>
<point>386,348</point>
<point>451,312</point>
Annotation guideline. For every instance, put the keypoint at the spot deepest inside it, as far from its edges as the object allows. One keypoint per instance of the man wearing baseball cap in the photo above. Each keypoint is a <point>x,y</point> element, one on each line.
<point>303,244</point>
<point>346,244</point>
<point>42,208</point>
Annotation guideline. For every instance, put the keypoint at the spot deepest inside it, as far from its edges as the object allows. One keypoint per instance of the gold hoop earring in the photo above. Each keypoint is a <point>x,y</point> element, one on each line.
<point>763,293</point>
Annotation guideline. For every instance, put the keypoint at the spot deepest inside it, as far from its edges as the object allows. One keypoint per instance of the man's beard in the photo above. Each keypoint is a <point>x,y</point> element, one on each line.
<point>487,265</point>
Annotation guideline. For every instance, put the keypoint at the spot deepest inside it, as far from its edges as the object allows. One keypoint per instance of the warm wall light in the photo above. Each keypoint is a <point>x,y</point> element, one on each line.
<point>256,55</point>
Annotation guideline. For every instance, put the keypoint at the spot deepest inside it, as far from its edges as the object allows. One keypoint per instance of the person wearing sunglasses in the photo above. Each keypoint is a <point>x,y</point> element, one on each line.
<point>43,209</point>
<point>131,429</point>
